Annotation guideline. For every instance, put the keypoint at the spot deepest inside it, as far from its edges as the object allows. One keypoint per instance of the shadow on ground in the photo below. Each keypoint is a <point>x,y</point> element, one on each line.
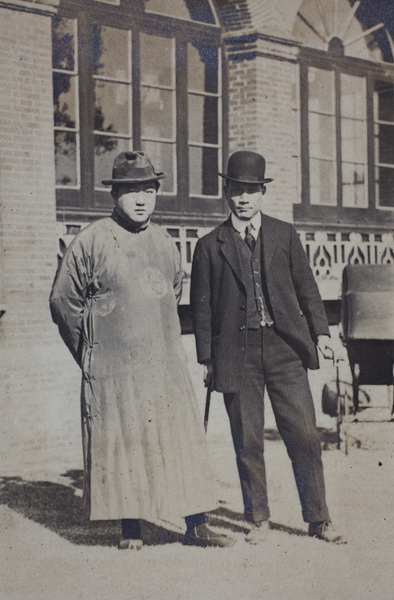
<point>234,521</point>
<point>59,507</point>
<point>56,507</point>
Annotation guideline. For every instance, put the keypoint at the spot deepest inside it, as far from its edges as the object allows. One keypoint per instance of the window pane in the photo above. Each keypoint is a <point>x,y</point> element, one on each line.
<point>203,171</point>
<point>156,72</point>
<point>66,158</point>
<point>112,107</point>
<point>63,44</point>
<point>172,8</point>
<point>162,157</point>
<point>157,108</point>
<point>64,100</point>
<point>353,140</point>
<point>384,143</point>
<point>353,97</point>
<point>105,150</point>
<point>322,182</point>
<point>203,64</point>
<point>384,136</point>
<point>203,119</point>
<point>321,90</point>
<point>321,136</point>
<point>384,100</point>
<point>183,9</point>
<point>353,185</point>
<point>111,52</point>
<point>385,187</point>
<point>200,11</point>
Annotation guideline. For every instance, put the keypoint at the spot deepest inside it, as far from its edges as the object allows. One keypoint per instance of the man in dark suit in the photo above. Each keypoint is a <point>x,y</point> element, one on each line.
<point>259,319</point>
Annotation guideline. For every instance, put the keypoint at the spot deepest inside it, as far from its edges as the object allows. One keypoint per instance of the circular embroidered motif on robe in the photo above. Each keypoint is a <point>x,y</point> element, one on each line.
<point>105,303</point>
<point>153,283</point>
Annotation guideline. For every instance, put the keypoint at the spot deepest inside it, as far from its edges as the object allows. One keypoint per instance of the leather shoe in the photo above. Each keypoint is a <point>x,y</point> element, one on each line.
<point>201,535</point>
<point>324,530</point>
<point>129,544</point>
<point>259,533</point>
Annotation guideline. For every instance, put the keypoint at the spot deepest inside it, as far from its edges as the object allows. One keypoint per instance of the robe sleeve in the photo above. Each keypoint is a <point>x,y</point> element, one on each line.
<point>68,296</point>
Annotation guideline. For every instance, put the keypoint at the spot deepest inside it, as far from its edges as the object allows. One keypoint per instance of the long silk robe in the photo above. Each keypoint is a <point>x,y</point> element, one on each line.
<point>114,301</point>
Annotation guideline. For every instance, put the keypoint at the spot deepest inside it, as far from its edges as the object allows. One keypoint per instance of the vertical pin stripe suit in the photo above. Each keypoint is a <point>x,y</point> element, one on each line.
<point>248,361</point>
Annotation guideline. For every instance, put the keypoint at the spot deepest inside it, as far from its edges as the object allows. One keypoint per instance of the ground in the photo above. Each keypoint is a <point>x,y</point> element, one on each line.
<point>50,552</point>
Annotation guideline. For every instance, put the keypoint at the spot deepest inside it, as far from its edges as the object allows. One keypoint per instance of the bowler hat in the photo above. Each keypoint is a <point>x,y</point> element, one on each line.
<point>246,167</point>
<point>133,167</point>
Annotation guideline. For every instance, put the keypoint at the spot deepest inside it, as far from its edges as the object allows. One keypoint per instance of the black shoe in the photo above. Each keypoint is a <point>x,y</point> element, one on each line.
<point>200,535</point>
<point>324,530</point>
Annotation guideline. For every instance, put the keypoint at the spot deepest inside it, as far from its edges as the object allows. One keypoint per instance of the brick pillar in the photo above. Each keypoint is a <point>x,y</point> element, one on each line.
<point>263,112</point>
<point>36,421</point>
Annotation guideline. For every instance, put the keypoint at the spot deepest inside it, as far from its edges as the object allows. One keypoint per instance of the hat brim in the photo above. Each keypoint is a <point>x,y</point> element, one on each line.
<point>267,180</point>
<point>159,175</point>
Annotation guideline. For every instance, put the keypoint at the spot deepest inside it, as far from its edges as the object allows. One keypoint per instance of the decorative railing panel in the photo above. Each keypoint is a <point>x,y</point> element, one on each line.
<point>328,252</point>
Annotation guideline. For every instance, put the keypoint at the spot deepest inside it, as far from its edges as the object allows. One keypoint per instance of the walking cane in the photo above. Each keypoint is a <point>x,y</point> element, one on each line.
<point>207,405</point>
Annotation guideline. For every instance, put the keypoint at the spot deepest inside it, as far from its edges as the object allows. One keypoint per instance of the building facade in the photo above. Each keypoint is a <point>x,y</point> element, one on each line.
<point>308,83</point>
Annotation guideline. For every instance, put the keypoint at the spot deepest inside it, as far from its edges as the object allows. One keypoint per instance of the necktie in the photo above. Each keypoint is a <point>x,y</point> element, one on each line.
<point>249,239</point>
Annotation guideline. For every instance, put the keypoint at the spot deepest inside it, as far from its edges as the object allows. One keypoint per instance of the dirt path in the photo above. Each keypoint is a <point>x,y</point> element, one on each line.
<point>49,553</point>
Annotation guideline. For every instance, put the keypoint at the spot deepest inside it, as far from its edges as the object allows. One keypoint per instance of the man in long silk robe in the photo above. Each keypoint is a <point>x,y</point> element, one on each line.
<point>114,300</point>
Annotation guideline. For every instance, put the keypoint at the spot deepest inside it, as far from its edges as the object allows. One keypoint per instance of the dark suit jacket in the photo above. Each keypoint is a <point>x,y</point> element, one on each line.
<point>218,298</point>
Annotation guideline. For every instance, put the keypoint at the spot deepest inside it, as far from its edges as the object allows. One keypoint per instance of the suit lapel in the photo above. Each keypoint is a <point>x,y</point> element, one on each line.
<point>226,237</point>
<point>268,241</point>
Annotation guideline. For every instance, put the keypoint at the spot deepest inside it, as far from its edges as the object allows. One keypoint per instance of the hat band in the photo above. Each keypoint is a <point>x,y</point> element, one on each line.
<point>134,173</point>
<point>248,177</point>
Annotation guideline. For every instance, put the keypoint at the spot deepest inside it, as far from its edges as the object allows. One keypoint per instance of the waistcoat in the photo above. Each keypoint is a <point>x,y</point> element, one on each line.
<point>256,294</point>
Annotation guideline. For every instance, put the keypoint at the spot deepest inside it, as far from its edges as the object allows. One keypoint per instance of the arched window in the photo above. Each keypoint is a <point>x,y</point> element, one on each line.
<point>144,75</point>
<point>347,113</point>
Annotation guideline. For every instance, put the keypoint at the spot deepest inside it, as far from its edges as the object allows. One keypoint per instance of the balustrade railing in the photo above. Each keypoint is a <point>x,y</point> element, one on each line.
<point>328,252</point>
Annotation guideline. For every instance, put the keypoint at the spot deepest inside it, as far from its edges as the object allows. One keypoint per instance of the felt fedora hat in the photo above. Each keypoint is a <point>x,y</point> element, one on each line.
<point>246,167</point>
<point>133,167</point>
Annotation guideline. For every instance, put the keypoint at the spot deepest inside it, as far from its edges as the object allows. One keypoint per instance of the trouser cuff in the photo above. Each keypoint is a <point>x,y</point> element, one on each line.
<point>195,520</point>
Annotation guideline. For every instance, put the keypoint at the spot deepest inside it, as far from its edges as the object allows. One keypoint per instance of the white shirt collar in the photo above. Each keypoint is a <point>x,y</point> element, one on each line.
<point>240,225</point>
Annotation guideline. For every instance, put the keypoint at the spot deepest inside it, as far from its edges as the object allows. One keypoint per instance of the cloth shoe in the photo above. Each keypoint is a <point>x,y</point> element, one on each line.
<point>259,533</point>
<point>201,535</point>
<point>324,530</point>
<point>129,544</point>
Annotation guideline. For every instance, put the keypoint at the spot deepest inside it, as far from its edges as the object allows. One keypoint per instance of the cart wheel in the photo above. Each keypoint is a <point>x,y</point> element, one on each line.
<point>346,420</point>
<point>356,385</point>
<point>343,419</point>
<point>392,397</point>
<point>339,423</point>
<point>342,408</point>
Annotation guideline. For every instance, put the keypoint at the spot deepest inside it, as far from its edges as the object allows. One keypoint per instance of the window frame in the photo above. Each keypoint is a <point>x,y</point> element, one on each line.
<point>305,212</point>
<point>131,16</point>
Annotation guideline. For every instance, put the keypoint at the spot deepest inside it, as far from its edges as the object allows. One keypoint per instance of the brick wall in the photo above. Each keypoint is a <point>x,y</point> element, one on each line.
<point>278,16</point>
<point>259,15</point>
<point>38,379</point>
<point>263,114</point>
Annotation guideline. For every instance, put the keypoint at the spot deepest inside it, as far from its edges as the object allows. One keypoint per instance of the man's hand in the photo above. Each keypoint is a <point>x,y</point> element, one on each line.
<point>325,346</point>
<point>208,374</point>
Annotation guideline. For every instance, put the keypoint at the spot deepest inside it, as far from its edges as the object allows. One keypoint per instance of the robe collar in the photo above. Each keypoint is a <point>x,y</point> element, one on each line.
<point>128,225</point>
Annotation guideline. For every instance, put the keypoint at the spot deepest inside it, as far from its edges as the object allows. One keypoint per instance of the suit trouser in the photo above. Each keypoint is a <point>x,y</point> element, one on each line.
<point>272,364</point>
